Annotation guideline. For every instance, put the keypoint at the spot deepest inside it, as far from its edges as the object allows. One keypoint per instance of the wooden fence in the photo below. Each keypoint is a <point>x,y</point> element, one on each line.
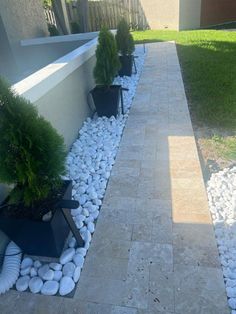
<point>108,13</point>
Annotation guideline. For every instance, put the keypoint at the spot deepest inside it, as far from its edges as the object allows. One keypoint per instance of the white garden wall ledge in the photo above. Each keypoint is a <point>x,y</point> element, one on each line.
<point>59,39</point>
<point>39,83</point>
<point>59,90</point>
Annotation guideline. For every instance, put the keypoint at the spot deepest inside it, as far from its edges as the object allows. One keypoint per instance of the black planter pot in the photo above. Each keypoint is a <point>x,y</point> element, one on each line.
<point>126,65</point>
<point>106,100</point>
<point>38,237</point>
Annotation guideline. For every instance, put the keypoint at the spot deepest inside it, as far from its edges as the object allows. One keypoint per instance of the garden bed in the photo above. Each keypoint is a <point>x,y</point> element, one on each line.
<point>89,164</point>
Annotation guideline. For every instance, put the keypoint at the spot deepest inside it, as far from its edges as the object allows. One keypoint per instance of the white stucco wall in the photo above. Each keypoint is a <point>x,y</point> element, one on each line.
<point>60,90</point>
<point>189,14</point>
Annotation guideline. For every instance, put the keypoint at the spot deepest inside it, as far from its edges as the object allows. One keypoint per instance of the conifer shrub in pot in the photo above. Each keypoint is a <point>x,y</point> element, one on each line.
<point>32,160</point>
<point>106,96</point>
<point>125,46</point>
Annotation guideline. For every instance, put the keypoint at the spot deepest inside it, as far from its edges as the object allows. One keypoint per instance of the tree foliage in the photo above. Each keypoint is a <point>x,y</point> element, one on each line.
<point>107,64</point>
<point>32,154</point>
<point>124,40</point>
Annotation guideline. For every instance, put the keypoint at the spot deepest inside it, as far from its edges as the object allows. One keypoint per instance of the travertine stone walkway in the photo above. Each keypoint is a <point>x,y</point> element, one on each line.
<point>153,250</point>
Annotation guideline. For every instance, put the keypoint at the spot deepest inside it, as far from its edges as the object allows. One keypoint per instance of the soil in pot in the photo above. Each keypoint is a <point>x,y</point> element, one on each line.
<point>39,209</point>
<point>30,233</point>
<point>106,100</point>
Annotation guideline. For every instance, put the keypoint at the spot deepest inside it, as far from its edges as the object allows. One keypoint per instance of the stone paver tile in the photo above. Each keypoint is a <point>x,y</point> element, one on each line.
<point>199,290</point>
<point>161,289</point>
<point>153,312</point>
<point>76,306</point>
<point>105,290</point>
<point>190,206</point>
<point>122,187</point>
<point>188,194</point>
<point>113,248</point>
<point>193,235</point>
<point>136,292</point>
<point>161,254</point>
<point>118,202</point>
<point>196,256</point>
<point>123,310</point>
<point>162,229</point>
<point>188,169</point>
<point>127,163</point>
<point>15,302</point>
<point>105,267</point>
<point>151,188</point>
<point>114,231</point>
<point>142,232</point>
<point>196,184</point>
<point>122,171</point>
<point>158,207</point>
<point>127,216</point>
<point>191,218</point>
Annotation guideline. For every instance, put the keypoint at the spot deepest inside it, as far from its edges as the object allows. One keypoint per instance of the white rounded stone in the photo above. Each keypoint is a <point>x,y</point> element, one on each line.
<point>68,269</point>
<point>33,272</point>
<point>91,227</point>
<point>78,259</point>
<point>67,256</point>
<point>55,266</point>
<point>35,284</point>
<point>22,283</point>
<point>50,287</point>
<point>37,264</point>
<point>72,242</point>
<point>45,272</point>
<point>66,285</point>
<point>57,275</point>
<point>76,274</point>
<point>82,251</point>
<point>25,271</point>
<point>26,262</point>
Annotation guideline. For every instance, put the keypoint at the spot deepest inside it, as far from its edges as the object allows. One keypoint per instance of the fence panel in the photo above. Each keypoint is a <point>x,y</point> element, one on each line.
<point>109,12</point>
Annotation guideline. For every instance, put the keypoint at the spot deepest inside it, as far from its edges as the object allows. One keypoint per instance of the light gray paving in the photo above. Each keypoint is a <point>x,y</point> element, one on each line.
<point>153,251</point>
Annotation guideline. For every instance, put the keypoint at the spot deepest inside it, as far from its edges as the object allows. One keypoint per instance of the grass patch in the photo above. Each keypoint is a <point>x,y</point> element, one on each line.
<point>208,63</point>
<point>225,146</point>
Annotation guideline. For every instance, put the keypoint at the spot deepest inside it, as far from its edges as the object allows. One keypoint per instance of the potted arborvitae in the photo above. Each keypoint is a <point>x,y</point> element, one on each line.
<point>125,46</point>
<point>32,160</point>
<point>106,96</point>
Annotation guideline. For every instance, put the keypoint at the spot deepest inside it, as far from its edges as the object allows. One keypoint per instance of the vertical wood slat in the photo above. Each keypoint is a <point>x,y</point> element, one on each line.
<point>109,12</point>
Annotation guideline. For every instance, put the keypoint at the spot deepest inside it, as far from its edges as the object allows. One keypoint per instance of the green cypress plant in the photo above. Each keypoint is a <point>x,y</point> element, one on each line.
<point>107,64</point>
<point>32,154</point>
<point>124,40</point>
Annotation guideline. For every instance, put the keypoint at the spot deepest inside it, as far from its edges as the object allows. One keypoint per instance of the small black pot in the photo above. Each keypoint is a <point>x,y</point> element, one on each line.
<point>38,237</point>
<point>106,100</point>
<point>126,65</point>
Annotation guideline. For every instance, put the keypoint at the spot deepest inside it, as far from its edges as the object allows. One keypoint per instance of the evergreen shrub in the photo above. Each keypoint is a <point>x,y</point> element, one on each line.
<point>124,40</point>
<point>32,154</point>
<point>107,64</point>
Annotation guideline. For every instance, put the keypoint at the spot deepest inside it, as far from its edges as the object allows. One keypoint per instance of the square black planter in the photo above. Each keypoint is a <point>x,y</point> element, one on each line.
<point>38,237</point>
<point>126,65</point>
<point>106,100</point>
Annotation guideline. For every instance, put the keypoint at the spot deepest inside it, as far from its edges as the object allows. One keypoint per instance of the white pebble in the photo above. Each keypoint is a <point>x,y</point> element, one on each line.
<point>66,286</point>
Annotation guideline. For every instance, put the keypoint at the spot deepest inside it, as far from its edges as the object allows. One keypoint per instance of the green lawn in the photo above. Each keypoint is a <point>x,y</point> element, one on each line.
<point>208,62</point>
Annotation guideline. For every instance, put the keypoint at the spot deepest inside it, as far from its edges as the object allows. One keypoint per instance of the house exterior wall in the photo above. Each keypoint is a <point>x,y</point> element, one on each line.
<point>23,19</point>
<point>217,11</point>
<point>189,14</point>
<point>19,20</point>
<point>161,14</point>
